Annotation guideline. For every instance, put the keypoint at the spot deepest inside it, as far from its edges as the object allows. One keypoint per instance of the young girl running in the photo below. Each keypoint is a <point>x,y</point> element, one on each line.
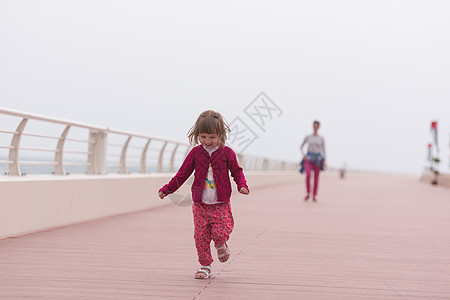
<point>211,190</point>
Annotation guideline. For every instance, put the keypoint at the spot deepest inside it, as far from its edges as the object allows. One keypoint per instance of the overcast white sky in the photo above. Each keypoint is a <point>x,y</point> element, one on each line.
<point>375,73</point>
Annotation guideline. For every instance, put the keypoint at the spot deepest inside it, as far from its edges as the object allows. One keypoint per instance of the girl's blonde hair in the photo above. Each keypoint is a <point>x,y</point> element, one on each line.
<point>210,122</point>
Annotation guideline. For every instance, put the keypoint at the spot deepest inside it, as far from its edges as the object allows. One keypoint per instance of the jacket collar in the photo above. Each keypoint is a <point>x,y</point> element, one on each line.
<point>215,153</point>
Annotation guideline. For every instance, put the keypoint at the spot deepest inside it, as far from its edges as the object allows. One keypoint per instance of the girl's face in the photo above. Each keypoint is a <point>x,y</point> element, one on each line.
<point>208,140</point>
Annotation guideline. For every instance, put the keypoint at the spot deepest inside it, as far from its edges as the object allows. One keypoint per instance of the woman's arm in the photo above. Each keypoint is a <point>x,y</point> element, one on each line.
<point>323,148</point>
<point>302,145</point>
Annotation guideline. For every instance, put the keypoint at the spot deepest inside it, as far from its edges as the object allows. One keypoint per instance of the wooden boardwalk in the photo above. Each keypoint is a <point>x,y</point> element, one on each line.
<point>369,237</point>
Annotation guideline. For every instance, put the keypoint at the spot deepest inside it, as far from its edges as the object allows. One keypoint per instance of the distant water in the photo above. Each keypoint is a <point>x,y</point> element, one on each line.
<point>49,169</point>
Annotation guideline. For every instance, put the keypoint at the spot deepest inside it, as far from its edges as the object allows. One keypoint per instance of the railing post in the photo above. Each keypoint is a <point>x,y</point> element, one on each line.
<point>97,152</point>
<point>144,157</point>
<point>265,165</point>
<point>172,159</point>
<point>187,152</point>
<point>14,167</point>
<point>240,159</point>
<point>59,167</point>
<point>160,160</point>
<point>251,163</point>
<point>123,156</point>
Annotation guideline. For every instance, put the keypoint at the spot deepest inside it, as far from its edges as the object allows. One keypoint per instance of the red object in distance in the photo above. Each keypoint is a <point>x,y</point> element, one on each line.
<point>434,125</point>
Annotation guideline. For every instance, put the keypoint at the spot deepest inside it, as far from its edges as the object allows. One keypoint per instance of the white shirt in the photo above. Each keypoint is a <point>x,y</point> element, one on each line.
<point>209,194</point>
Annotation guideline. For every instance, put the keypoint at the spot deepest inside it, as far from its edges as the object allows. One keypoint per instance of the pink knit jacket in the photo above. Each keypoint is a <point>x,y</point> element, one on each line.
<point>198,159</point>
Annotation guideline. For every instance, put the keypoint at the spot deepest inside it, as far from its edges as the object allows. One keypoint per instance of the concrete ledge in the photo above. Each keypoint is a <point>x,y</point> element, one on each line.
<point>35,203</point>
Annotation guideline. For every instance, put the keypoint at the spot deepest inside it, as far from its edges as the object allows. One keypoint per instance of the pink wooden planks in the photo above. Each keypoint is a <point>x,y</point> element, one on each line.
<point>370,236</point>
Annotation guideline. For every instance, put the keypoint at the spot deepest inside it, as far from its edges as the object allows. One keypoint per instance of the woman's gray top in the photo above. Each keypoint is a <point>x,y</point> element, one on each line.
<point>316,144</point>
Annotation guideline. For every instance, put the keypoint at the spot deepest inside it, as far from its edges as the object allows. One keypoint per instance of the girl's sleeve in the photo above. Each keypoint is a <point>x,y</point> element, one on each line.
<point>182,175</point>
<point>236,171</point>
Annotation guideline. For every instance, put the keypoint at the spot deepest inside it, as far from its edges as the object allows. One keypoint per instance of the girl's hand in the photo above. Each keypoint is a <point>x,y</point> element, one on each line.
<point>244,191</point>
<point>161,195</point>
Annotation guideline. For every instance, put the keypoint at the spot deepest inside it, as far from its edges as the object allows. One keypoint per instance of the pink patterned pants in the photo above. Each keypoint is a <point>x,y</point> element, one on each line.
<point>211,222</point>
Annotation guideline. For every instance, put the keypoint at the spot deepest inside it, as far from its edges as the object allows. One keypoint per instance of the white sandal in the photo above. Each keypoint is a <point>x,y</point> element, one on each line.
<point>207,274</point>
<point>223,254</point>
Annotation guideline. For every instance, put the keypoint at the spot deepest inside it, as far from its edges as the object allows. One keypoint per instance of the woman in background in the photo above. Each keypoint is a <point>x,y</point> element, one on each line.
<point>313,160</point>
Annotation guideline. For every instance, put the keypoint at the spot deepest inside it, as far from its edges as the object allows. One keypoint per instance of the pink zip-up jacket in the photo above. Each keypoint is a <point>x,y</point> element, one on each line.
<point>198,159</point>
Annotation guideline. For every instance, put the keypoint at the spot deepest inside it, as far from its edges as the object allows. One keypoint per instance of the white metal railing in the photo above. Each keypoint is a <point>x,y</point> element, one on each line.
<point>97,154</point>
